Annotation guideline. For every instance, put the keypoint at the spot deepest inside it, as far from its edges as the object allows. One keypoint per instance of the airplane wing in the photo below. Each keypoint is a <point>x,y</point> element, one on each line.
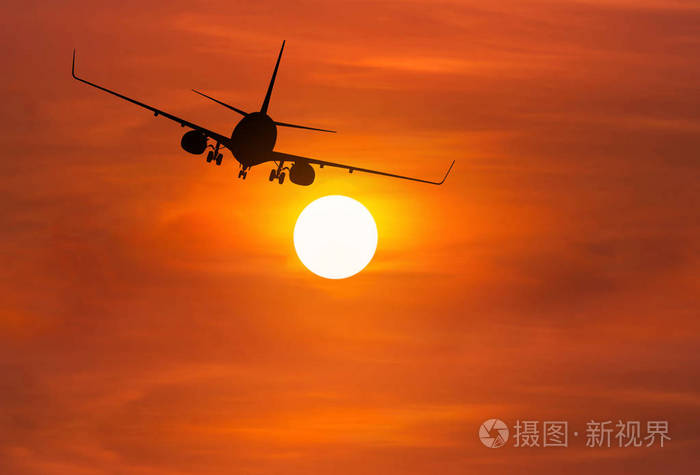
<point>184,123</point>
<point>279,156</point>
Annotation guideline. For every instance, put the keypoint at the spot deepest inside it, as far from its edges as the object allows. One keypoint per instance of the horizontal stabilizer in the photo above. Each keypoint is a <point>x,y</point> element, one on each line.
<point>284,124</point>
<point>243,113</point>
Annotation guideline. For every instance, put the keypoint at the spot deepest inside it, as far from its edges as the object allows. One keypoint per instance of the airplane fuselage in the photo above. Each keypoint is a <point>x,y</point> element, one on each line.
<point>253,139</point>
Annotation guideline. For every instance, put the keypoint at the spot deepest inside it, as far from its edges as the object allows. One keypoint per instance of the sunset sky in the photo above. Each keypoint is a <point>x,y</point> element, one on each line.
<point>156,320</point>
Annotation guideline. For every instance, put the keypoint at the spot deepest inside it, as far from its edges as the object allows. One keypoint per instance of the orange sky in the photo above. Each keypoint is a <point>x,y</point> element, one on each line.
<point>156,320</point>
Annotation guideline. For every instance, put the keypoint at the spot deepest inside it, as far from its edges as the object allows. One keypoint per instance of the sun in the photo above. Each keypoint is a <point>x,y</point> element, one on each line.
<point>335,237</point>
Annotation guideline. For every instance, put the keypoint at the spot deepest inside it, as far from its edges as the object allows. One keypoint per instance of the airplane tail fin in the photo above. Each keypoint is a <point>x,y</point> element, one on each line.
<point>266,102</point>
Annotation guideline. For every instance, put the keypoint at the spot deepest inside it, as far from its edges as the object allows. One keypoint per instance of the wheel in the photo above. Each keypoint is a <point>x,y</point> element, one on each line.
<point>210,156</point>
<point>280,178</point>
<point>273,174</point>
<point>245,175</point>
<point>219,157</point>
<point>241,174</point>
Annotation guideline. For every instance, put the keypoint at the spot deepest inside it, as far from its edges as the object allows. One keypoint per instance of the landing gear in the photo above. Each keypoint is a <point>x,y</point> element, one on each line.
<point>243,173</point>
<point>278,173</point>
<point>215,156</point>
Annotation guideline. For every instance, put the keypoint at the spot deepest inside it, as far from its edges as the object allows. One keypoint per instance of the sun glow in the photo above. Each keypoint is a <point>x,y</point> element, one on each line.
<point>335,237</point>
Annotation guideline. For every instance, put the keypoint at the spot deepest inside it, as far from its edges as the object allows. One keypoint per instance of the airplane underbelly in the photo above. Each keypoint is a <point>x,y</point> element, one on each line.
<point>253,138</point>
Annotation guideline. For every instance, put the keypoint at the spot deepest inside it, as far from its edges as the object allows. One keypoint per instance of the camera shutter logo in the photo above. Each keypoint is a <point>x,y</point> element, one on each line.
<point>493,433</point>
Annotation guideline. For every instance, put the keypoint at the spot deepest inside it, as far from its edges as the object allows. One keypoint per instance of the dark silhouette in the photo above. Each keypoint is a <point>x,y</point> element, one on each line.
<point>253,140</point>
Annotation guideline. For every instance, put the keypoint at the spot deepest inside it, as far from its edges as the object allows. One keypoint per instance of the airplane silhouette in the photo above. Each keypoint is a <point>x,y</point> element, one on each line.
<point>253,140</point>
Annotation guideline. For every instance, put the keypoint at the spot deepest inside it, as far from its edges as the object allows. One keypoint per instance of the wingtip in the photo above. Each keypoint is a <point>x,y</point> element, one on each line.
<point>448,171</point>
<point>72,71</point>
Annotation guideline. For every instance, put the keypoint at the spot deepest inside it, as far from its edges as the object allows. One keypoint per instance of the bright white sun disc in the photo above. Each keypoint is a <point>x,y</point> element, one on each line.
<point>335,237</point>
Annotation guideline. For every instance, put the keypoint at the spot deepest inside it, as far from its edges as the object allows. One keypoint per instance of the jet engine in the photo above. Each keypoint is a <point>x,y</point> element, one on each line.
<point>194,142</point>
<point>302,174</point>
